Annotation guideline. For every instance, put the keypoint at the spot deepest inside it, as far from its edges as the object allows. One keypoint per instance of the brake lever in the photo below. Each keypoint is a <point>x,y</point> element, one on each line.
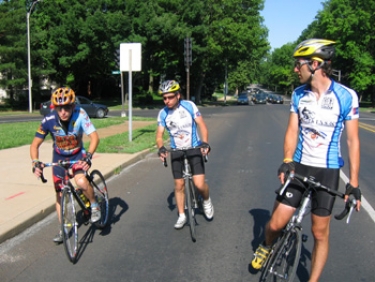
<point>286,183</point>
<point>165,162</point>
<point>349,207</point>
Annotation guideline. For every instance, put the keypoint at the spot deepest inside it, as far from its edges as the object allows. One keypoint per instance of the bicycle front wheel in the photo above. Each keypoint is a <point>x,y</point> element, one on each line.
<point>283,261</point>
<point>101,195</point>
<point>190,207</point>
<point>69,224</point>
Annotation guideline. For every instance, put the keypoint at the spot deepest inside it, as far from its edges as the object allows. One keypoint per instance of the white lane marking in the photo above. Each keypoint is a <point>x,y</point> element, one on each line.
<point>364,203</point>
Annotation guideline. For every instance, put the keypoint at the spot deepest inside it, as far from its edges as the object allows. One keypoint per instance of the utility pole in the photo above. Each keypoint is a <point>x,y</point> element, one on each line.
<point>30,82</point>
<point>188,61</point>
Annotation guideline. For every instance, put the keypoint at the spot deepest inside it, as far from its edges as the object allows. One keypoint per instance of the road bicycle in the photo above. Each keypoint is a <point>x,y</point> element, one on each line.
<point>73,200</point>
<point>282,263</point>
<point>193,200</point>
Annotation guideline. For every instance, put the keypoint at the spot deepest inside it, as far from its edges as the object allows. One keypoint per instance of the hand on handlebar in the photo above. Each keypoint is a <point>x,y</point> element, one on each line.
<point>85,162</point>
<point>285,169</point>
<point>205,148</point>
<point>37,168</point>
<point>356,192</point>
<point>162,153</point>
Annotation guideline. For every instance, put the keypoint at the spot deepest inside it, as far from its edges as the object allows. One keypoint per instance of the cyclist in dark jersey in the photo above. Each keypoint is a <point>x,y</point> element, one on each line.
<point>67,124</point>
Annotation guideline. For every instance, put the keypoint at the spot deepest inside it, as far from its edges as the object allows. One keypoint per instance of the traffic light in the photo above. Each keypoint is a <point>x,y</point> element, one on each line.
<point>188,54</point>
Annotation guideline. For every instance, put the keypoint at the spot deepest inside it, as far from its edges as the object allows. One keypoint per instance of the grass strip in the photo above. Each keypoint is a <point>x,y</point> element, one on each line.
<point>22,133</point>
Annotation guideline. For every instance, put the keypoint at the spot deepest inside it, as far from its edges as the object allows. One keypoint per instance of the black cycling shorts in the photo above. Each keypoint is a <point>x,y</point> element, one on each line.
<point>322,201</point>
<point>195,159</point>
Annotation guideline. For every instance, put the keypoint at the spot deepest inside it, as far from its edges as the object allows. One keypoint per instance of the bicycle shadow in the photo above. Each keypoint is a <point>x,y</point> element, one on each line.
<point>302,271</point>
<point>170,202</point>
<point>261,217</point>
<point>114,216</point>
<point>117,207</point>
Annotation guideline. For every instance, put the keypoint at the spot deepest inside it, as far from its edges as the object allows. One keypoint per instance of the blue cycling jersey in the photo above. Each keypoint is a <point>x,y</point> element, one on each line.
<point>321,123</point>
<point>180,124</point>
<point>69,142</point>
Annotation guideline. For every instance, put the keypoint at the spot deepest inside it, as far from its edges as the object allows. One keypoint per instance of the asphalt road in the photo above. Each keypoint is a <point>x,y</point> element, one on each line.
<point>140,243</point>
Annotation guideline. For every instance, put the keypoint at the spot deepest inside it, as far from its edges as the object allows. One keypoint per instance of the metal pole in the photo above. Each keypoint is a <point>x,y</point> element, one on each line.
<point>123,114</point>
<point>28,55</point>
<point>130,95</point>
<point>188,82</point>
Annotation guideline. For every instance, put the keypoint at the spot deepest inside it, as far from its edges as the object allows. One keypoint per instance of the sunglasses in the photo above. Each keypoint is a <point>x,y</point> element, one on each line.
<point>298,64</point>
<point>165,98</point>
<point>65,107</point>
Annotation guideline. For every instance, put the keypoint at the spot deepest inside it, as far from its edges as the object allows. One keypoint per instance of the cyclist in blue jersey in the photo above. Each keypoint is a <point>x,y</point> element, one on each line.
<point>182,119</point>
<point>319,110</point>
<point>67,124</point>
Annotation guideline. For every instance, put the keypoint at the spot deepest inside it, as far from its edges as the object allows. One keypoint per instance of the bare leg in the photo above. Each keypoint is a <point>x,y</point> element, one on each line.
<point>199,182</point>
<point>280,216</point>
<point>320,230</point>
<point>179,193</point>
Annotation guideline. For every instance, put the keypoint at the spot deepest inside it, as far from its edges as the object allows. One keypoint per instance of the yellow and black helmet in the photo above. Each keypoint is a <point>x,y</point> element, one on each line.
<point>63,96</point>
<point>315,49</point>
<point>169,86</point>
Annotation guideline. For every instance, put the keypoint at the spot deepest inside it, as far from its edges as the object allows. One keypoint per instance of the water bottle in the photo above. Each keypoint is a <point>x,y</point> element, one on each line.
<point>83,198</point>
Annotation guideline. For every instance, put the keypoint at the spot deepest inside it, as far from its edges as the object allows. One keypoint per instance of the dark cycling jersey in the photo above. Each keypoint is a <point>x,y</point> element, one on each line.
<point>66,141</point>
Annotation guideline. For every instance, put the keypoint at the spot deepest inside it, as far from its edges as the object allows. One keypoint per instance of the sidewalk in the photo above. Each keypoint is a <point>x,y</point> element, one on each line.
<point>26,200</point>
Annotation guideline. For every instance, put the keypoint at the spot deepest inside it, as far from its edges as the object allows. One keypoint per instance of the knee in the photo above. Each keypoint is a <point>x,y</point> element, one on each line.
<point>82,182</point>
<point>320,233</point>
<point>179,186</point>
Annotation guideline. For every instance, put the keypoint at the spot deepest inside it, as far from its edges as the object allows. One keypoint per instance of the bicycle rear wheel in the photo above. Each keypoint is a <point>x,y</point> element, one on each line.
<point>69,224</point>
<point>190,207</point>
<point>101,195</point>
<point>283,261</point>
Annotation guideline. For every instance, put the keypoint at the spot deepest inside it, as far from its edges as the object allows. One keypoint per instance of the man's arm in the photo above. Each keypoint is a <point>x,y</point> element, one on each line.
<point>34,148</point>
<point>159,141</point>
<point>94,142</point>
<point>354,153</point>
<point>202,128</point>
<point>290,142</point>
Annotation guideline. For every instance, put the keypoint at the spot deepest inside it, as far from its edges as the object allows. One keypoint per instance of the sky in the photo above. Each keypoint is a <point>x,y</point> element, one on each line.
<point>286,19</point>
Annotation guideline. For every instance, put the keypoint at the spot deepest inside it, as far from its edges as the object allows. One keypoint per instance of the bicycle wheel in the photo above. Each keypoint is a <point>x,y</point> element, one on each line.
<point>69,224</point>
<point>283,261</point>
<point>190,207</point>
<point>101,195</point>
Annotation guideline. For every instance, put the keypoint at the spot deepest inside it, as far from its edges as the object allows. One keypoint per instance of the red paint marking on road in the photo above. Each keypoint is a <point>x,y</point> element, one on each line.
<point>13,196</point>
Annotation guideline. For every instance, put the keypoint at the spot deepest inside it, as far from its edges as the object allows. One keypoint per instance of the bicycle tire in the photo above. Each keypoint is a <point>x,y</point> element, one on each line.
<point>69,224</point>
<point>284,259</point>
<point>101,195</point>
<point>191,210</point>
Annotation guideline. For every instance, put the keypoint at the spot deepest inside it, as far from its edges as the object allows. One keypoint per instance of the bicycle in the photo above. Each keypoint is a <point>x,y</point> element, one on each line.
<point>192,198</point>
<point>70,196</point>
<point>282,263</point>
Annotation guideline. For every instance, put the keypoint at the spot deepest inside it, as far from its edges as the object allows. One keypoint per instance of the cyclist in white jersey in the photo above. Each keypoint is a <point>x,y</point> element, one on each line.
<point>182,118</point>
<point>319,110</point>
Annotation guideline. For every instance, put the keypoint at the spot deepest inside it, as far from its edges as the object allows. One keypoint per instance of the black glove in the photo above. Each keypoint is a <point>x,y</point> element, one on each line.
<point>286,168</point>
<point>205,145</point>
<point>87,159</point>
<point>356,192</point>
<point>37,164</point>
<point>162,150</point>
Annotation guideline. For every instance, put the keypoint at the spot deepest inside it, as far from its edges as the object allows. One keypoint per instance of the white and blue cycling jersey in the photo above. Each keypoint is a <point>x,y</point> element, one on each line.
<point>321,123</point>
<point>180,124</point>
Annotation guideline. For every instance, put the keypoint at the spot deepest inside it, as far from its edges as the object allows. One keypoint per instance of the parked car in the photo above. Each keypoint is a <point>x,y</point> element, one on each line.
<point>278,99</point>
<point>92,109</point>
<point>260,98</point>
<point>243,99</point>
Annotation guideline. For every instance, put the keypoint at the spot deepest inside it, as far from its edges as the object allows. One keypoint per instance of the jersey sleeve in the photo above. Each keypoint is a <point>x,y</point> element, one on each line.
<point>85,122</point>
<point>42,130</point>
<point>161,118</point>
